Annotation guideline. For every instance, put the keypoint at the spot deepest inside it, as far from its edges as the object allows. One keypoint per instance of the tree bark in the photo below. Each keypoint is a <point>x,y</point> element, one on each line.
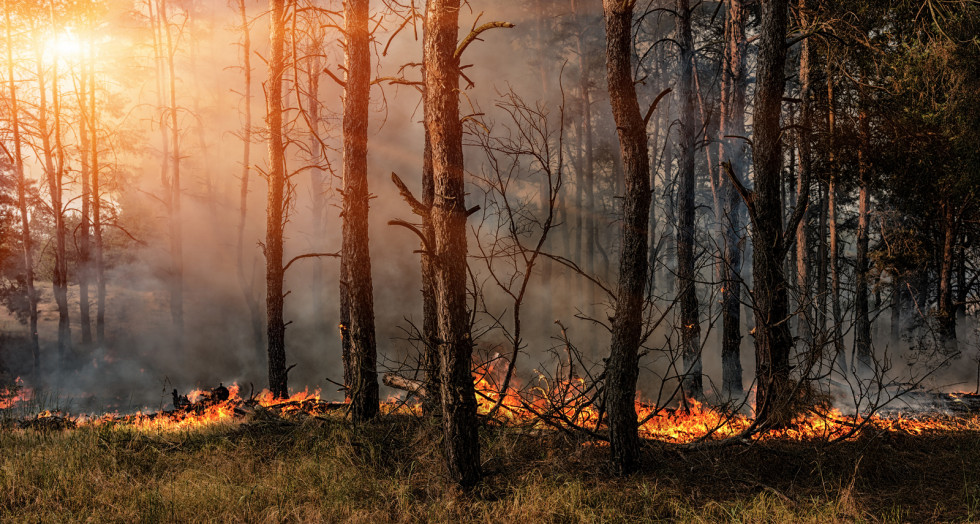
<point>448,212</point>
<point>773,341</point>
<point>622,367</point>
<point>363,388</point>
<point>734,152</point>
<point>805,329</point>
<point>690,327</point>
<point>275,205</point>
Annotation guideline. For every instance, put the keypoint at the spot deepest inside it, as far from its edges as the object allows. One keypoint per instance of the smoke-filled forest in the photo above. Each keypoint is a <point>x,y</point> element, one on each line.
<point>398,260</point>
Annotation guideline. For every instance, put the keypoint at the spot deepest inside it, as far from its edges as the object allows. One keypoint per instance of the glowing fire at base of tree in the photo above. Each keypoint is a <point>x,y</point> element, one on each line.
<point>561,406</point>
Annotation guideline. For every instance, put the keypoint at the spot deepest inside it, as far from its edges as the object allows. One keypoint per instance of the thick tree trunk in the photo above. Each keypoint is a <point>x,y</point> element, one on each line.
<point>275,205</point>
<point>622,367</point>
<point>27,243</point>
<point>734,152</point>
<point>363,388</point>
<point>773,341</point>
<point>690,327</point>
<point>449,224</point>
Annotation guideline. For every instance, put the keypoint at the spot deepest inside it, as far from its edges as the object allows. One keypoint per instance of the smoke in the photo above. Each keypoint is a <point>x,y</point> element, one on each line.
<point>144,358</point>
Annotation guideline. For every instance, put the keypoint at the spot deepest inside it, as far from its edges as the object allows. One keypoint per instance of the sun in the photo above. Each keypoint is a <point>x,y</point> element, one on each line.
<point>65,45</point>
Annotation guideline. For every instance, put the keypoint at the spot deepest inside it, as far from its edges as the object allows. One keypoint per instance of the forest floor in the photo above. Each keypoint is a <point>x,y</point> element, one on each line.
<point>390,470</point>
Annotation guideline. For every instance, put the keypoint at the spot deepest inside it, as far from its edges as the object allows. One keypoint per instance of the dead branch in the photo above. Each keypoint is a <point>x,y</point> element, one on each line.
<point>418,208</point>
<point>474,35</point>
<point>309,255</point>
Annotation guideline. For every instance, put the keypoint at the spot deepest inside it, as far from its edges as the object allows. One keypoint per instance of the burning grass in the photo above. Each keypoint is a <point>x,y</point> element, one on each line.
<point>222,456</point>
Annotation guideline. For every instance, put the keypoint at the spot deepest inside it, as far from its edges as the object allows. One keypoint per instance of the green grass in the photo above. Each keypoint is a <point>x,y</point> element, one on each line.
<point>391,471</point>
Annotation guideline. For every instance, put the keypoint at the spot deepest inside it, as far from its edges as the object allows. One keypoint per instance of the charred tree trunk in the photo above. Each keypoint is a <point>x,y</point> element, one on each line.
<point>734,153</point>
<point>26,238</point>
<point>275,205</point>
<point>448,212</point>
<point>622,367</point>
<point>773,341</point>
<point>690,327</point>
<point>363,388</point>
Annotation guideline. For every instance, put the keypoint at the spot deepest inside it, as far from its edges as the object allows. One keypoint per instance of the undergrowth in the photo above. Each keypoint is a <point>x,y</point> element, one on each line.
<point>390,470</point>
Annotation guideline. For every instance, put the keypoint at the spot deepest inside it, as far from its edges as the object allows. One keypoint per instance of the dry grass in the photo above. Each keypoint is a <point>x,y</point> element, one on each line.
<point>390,471</point>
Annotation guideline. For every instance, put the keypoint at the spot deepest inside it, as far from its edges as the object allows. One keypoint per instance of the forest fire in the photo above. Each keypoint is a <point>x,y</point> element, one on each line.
<point>563,406</point>
<point>14,395</point>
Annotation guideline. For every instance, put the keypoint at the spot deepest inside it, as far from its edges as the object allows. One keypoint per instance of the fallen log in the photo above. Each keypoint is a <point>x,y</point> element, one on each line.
<point>414,387</point>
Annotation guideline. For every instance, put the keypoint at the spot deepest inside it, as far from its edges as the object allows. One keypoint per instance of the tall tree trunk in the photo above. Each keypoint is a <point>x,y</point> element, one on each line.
<point>945,314</point>
<point>839,357</point>
<point>319,190</point>
<point>690,327</point>
<point>275,205</point>
<point>862,320</point>
<point>27,242</point>
<point>735,154</point>
<point>805,329</point>
<point>588,182</point>
<point>821,322</point>
<point>773,341</point>
<point>244,282</point>
<point>363,389</point>
<point>441,96</point>
<point>176,223</point>
<point>622,367</point>
<point>54,169</point>
<point>84,264</point>
<point>97,206</point>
